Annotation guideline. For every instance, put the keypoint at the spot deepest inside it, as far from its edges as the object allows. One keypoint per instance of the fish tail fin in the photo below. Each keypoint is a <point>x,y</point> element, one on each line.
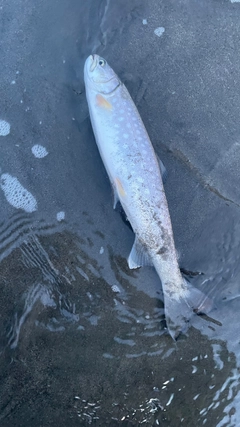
<point>180,309</point>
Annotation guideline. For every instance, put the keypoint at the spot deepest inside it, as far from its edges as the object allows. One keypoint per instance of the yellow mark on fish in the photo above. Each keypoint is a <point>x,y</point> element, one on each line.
<point>120,188</point>
<point>102,102</point>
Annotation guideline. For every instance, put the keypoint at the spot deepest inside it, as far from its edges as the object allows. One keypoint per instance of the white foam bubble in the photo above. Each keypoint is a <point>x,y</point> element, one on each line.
<point>61,216</point>
<point>16,194</point>
<point>116,289</point>
<point>159,31</point>
<point>39,151</point>
<point>4,128</point>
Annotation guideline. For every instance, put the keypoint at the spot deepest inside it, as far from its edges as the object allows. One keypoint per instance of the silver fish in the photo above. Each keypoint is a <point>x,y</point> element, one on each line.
<point>135,174</point>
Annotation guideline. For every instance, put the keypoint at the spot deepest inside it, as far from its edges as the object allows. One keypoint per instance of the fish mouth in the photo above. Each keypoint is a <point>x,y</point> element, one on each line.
<point>94,59</point>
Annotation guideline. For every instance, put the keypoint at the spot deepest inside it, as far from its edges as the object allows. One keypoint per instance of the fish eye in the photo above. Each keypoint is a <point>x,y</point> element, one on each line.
<point>102,62</point>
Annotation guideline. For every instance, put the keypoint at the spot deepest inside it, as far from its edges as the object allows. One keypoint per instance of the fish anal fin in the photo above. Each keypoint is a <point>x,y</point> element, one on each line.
<point>138,256</point>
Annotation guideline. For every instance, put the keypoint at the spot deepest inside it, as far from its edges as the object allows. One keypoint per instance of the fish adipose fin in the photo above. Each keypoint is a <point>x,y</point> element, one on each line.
<point>138,256</point>
<point>180,309</point>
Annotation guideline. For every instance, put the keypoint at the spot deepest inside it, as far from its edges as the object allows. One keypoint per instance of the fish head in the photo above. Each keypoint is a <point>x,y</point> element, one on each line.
<point>99,76</point>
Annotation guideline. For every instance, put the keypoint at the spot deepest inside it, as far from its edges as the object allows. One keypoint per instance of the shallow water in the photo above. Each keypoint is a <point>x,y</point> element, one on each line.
<point>82,338</point>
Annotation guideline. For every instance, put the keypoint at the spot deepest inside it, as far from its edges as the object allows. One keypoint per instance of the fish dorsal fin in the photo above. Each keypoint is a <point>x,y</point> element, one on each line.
<point>138,256</point>
<point>163,170</point>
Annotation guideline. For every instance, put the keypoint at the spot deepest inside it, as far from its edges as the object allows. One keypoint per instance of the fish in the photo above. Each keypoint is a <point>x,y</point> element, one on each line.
<point>136,176</point>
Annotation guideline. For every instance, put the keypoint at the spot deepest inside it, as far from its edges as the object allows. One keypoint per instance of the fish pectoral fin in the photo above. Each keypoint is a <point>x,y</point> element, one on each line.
<point>138,256</point>
<point>163,170</point>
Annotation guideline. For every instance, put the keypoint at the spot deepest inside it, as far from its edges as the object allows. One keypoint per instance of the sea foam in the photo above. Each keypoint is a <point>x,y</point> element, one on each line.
<point>4,128</point>
<point>39,151</point>
<point>16,194</point>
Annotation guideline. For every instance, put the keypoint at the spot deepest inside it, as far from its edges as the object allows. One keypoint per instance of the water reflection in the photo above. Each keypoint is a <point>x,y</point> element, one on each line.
<point>97,353</point>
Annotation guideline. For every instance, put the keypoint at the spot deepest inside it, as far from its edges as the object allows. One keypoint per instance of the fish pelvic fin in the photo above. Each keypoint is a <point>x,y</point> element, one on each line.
<point>117,190</point>
<point>115,197</point>
<point>179,309</point>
